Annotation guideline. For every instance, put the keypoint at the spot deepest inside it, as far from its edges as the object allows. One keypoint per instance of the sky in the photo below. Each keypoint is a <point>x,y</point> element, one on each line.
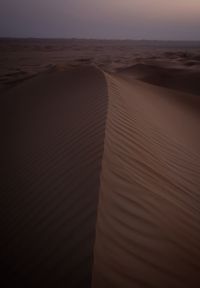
<point>107,19</point>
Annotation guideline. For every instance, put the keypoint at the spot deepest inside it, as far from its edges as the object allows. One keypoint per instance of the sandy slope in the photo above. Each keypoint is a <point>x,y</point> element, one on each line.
<point>179,78</point>
<point>54,136</point>
<point>56,127</point>
<point>148,227</point>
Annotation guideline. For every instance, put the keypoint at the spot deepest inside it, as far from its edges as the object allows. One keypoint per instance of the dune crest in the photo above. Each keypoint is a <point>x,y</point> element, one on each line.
<point>148,228</point>
<point>100,182</point>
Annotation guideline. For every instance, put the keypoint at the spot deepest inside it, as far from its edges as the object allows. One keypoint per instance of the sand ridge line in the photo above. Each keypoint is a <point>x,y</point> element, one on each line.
<point>148,229</point>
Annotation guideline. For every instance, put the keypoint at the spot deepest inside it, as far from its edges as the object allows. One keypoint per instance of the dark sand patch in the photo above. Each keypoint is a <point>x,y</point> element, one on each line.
<point>54,130</point>
<point>174,78</point>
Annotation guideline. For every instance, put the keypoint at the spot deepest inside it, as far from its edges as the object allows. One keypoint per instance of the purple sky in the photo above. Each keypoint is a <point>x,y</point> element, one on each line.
<point>135,19</point>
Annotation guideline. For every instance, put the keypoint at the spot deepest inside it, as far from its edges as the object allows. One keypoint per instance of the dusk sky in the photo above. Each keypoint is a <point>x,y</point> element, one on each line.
<point>134,19</point>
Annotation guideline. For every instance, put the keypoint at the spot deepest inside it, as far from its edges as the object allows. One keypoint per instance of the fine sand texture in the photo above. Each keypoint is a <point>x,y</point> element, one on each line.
<point>55,126</point>
<point>100,166</point>
<point>148,227</point>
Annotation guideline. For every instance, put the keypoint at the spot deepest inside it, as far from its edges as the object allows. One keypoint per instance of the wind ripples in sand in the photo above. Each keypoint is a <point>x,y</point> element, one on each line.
<point>55,125</point>
<point>148,228</point>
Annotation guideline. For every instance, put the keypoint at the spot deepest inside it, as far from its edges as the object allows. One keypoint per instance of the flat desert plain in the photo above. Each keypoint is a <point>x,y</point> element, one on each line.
<point>100,149</point>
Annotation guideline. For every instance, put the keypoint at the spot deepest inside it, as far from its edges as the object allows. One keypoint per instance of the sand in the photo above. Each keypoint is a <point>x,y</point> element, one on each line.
<point>148,225</point>
<point>50,184</point>
<point>100,164</point>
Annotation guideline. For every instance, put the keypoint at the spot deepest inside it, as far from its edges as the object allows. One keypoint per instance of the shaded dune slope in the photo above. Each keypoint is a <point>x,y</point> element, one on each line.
<point>59,139</point>
<point>175,78</point>
<point>148,227</point>
<point>54,128</point>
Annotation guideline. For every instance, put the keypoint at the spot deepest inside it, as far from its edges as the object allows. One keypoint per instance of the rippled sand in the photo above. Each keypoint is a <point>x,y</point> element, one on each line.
<point>147,231</point>
<point>100,169</point>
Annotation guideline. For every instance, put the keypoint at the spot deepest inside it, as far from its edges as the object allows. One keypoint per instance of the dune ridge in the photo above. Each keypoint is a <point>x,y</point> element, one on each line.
<point>100,182</point>
<point>148,229</point>
<point>54,131</point>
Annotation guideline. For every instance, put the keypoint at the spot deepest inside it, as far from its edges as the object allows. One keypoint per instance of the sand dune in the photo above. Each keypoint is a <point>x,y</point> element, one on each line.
<point>80,144</point>
<point>175,78</point>
<point>23,58</point>
<point>148,228</point>
<point>54,142</point>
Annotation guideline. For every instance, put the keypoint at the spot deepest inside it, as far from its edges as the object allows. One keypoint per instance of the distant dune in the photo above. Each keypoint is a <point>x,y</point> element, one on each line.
<point>100,177</point>
<point>175,78</point>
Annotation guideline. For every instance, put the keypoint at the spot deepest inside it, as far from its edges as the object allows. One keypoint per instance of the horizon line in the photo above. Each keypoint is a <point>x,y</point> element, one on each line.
<point>97,39</point>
